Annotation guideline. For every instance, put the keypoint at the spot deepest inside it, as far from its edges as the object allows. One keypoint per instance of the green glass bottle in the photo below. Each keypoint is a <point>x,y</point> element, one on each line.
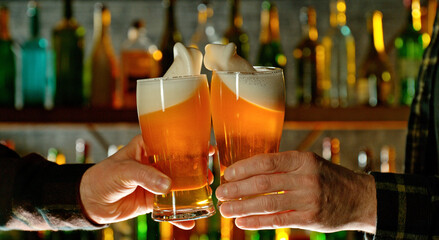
<point>270,49</point>
<point>68,44</point>
<point>7,58</point>
<point>170,36</point>
<point>234,33</point>
<point>409,47</point>
<point>37,72</point>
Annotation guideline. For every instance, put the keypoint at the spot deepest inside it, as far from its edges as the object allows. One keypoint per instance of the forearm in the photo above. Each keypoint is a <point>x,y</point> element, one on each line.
<point>37,194</point>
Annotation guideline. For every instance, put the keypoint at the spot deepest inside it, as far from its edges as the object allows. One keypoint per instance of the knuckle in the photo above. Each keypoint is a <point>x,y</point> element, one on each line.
<point>269,204</point>
<point>279,220</point>
<point>268,164</point>
<point>233,189</point>
<point>308,218</point>
<point>262,183</point>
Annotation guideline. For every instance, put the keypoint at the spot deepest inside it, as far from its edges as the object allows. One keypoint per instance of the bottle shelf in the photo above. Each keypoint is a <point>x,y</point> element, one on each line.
<point>306,116</point>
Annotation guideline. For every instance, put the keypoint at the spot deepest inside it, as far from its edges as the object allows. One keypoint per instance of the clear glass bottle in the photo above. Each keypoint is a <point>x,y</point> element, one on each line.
<point>7,58</point>
<point>409,47</point>
<point>234,32</point>
<point>102,69</point>
<point>139,61</point>
<point>338,82</point>
<point>170,36</point>
<point>270,50</point>
<point>68,44</point>
<point>376,78</point>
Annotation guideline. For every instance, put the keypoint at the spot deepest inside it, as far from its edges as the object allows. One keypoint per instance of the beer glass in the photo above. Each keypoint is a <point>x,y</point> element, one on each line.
<point>174,116</point>
<point>248,112</point>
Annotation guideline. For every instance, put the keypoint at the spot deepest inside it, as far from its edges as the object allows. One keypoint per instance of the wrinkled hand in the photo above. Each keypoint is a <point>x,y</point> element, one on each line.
<point>120,187</point>
<point>309,193</point>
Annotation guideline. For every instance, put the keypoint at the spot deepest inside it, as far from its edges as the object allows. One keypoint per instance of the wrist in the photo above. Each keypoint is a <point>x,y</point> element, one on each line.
<point>367,207</point>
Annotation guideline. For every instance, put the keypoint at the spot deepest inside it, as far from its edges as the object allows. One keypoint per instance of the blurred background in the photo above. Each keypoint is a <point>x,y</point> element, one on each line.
<point>350,72</point>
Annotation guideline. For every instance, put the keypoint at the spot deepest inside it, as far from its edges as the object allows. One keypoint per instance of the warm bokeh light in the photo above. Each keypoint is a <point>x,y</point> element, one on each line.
<point>377,23</point>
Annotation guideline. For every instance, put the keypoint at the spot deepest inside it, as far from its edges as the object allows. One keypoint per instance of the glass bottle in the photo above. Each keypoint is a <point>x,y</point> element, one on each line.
<point>170,36</point>
<point>270,49</point>
<point>139,60</point>
<point>205,32</point>
<point>234,33</point>
<point>376,81</point>
<point>307,56</point>
<point>102,68</point>
<point>7,58</point>
<point>68,44</point>
<point>37,75</point>
<point>338,82</point>
<point>409,47</point>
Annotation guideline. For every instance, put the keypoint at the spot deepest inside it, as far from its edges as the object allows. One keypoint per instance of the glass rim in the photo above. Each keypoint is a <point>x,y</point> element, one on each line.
<point>173,78</point>
<point>272,71</point>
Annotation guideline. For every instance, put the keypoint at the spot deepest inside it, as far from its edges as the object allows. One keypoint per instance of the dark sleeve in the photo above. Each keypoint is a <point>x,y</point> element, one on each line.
<point>407,206</point>
<point>36,194</point>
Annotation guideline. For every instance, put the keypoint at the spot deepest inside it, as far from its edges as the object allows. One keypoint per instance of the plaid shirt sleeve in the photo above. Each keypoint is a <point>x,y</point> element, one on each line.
<point>36,194</point>
<point>407,206</point>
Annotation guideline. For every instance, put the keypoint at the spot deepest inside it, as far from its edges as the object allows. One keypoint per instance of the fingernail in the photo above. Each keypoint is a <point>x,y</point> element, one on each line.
<point>229,173</point>
<point>221,191</point>
<point>164,184</point>
<point>226,209</point>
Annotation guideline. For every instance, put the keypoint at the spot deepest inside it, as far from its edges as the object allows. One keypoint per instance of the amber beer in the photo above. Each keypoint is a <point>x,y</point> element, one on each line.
<point>248,113</point>
<point>174,116</point>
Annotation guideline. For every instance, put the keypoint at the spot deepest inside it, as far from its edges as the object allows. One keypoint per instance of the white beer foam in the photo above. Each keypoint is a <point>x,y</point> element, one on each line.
<point>221,57</point>
<point>264,88</point>
<point>161,93</point>
<point>187,61</point>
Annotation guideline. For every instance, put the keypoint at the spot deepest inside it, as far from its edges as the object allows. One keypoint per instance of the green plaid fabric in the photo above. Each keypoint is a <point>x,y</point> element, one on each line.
<point>38,194</point>
<point>407,206</point>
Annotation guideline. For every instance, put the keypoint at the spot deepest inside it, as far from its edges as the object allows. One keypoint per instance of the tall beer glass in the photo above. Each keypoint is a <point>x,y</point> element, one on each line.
<point>248,112</point>
<point>174,116</point>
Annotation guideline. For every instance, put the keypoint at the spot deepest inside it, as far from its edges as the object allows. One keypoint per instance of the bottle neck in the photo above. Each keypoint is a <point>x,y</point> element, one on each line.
<point>68,11</point>
<point>33,14</point>
<point>170,18</point>
<point>309,23</point>
<point>4,24</point>
<point>269,23</point>
<point>235,17</point>
<point>102,20</point>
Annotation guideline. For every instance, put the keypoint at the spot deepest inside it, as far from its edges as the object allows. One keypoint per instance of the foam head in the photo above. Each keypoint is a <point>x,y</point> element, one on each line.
<point>158,94</point>
<point>264,88</point>
<point>187,61</point>
<point>221,57</point>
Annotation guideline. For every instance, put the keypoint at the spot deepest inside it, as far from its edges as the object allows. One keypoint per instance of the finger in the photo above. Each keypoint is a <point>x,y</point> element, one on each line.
<point>185,225</point>
<point>137,174</point>
<point>259,184</point>
<point>291,219</point>
<point>210,177</point>
<point>266,163</point>
<point>267,204</point>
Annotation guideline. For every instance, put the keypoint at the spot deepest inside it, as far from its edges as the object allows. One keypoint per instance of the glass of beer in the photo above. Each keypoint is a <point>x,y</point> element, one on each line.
<point>248,113</point>
<point>174,116</point>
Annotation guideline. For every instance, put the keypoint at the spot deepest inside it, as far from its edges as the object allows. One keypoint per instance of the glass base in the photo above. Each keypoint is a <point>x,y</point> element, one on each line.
<point>183,214</point>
